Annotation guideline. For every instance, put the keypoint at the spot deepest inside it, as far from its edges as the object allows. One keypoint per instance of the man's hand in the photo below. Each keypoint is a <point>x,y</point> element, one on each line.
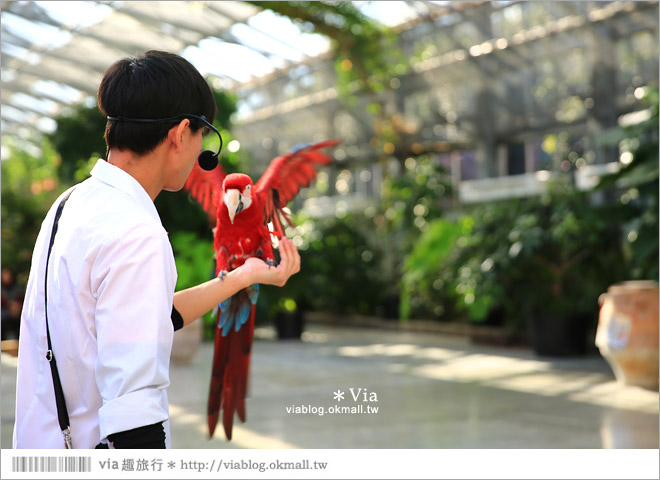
<point>259,271</point>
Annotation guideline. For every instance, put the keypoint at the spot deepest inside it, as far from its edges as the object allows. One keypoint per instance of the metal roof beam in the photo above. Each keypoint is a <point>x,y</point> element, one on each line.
<point>78,81</point>
<point>11,38</point>
<point>19,87</point>
<point>201,30</point>
<point>220,9</point>
<point>31,11</point>
<point>27,108</point>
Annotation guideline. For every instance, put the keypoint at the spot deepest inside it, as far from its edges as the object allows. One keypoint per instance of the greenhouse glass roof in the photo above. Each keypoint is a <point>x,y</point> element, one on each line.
<point>54,53</point>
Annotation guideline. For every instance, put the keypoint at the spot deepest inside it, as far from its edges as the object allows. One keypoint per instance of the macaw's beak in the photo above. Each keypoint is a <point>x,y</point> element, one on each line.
<point>233,202</point>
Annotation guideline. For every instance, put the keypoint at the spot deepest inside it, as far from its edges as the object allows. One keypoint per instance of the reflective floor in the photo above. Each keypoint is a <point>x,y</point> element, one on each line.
<point>365,388</point>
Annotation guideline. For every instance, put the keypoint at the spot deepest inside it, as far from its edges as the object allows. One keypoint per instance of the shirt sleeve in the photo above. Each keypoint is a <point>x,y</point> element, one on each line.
<point>149,436</point>
<point>134,289</point>
<point>177,319</point>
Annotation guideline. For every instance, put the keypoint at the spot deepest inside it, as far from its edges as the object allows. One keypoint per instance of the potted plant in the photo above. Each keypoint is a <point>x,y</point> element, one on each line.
<point>571,251</point>
<point>289,319</point>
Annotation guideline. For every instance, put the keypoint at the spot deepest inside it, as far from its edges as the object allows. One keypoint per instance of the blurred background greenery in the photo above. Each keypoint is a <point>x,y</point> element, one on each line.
<point>411,245</point>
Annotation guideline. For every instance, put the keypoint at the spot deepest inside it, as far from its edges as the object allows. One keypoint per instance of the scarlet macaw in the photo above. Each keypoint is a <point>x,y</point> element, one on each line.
<point>242,212</point>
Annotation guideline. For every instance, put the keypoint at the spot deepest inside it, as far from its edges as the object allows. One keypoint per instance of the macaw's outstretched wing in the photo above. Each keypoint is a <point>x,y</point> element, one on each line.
<point>206,188</point>
<point>286,175</point>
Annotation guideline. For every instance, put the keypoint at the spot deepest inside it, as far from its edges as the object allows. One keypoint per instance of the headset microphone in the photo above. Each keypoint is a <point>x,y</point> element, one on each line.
<point>207,160</point>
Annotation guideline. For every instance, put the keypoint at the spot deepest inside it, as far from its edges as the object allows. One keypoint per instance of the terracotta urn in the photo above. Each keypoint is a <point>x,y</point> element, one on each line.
<point>627,334</point>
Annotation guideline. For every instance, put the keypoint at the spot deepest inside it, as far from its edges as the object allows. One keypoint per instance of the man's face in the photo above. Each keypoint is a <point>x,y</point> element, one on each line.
<point>193,149</point>
<point>183,163</point>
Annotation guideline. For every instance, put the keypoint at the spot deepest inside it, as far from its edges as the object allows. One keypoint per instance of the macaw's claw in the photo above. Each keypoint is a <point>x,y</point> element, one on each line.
<point>222,274</point>
<point>271,263</point>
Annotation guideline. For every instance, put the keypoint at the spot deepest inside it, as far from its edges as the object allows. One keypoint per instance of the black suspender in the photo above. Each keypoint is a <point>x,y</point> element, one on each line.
<point>62,413</point>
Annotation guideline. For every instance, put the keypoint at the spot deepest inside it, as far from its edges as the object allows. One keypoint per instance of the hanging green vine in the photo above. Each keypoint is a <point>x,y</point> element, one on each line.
<point>366,51</point>
<point>367,59</point>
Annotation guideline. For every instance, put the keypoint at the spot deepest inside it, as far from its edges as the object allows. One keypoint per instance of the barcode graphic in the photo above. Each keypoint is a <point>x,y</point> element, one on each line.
<point>51,464</point>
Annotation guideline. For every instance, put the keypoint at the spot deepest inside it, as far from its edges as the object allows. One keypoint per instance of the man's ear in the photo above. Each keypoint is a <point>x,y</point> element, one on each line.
<point>175,135</point>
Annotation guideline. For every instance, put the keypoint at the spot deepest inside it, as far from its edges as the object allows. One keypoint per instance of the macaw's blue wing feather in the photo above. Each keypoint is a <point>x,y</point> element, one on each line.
<point>236,309</point>
<point>253,293</point>
<point>299,146</point>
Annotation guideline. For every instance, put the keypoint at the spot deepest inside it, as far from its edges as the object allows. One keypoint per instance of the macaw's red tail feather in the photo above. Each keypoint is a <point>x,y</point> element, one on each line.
<point>229,394</point>
<point>228,404</point>
<point>220,357</point>
<point>244,366</point>
<point>246,344</point>
<point>212,421</point>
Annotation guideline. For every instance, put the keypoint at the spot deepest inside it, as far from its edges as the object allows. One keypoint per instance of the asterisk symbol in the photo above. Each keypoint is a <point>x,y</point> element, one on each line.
<point>339,395</point>
<point>171,465</point>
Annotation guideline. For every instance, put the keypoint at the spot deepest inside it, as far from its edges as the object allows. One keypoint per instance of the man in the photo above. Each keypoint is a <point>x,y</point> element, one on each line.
<point>111,273</point>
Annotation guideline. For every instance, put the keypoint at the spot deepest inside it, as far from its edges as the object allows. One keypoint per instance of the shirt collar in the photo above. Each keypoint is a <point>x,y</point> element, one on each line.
<point>122,180</point>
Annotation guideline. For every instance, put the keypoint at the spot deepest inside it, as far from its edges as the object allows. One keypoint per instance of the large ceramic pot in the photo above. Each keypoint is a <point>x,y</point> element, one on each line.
<point>627,334</point>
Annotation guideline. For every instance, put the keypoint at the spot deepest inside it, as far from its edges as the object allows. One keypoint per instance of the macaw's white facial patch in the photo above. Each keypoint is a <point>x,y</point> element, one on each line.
<point>236,201</point>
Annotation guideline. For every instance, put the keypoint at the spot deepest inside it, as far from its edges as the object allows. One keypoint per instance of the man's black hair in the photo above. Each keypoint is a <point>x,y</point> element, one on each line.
<point>152,85</point>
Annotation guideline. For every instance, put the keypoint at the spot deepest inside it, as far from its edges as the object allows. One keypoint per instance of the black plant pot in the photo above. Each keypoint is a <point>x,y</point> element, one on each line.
<point>557,335</point>
<point>390,306</point>
<point>289,325</point>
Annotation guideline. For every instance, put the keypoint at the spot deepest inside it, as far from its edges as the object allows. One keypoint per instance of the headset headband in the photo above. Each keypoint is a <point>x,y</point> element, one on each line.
<point>207,159</point>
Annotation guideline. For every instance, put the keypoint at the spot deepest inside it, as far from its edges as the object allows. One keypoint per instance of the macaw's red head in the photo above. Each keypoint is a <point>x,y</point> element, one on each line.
<point>237,188</point>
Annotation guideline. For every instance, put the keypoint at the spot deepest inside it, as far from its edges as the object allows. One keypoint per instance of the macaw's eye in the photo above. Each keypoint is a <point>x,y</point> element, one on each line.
<point>248,188</point>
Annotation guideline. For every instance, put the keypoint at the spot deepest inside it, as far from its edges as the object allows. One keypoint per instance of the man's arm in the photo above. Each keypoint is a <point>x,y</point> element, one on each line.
<point>194,302</point>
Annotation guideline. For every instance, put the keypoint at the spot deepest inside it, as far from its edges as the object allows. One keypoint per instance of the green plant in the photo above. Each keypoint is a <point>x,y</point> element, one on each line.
<point>424,285</point>
<point>509,260</point>
<point>194,264</point>
<point>636,185</point>
<point>571,246</point>
<point>79,136</point>
<point>409,203</point>
<point>483,271</point>
<point>472,270</point>
<point>29,187</point>
<point>338,269</point>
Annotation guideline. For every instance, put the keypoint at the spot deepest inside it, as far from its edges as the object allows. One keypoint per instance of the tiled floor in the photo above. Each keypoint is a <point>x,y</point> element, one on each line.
<point>431,391</point>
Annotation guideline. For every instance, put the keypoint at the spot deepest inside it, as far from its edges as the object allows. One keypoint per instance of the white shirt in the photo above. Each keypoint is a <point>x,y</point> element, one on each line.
<point>111,281</point>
